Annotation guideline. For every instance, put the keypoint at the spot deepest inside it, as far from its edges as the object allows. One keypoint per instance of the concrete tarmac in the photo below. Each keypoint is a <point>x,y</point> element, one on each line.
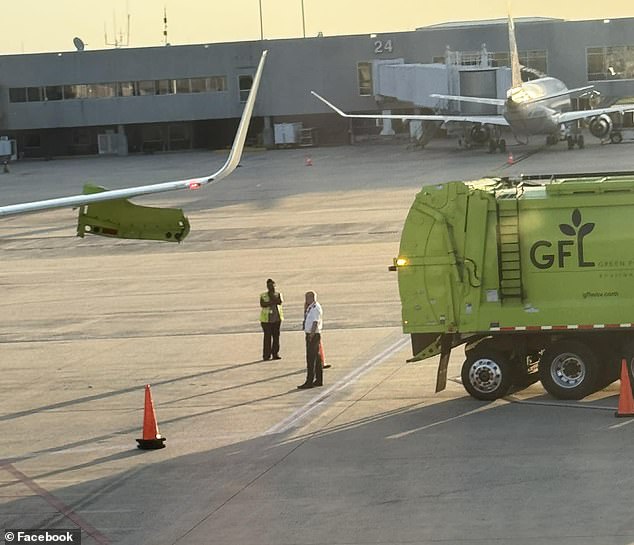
<point>372,457</point>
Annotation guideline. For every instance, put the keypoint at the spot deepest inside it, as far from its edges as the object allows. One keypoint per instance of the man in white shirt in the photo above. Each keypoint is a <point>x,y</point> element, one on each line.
<point>312,329</point>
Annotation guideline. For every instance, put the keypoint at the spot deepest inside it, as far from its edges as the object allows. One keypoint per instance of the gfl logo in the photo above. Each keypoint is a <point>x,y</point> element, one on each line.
<point>544,258</point>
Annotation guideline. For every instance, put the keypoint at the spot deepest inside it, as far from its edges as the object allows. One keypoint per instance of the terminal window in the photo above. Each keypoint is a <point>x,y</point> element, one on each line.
<point>211,84</point>
<point>75,91</point>
<point>536,59</point>
<point>147,88</point>
<point>182,86</point>
<point>54,92</point>
<point>101,90</point>
<point>17,94</point>
<point>165,87</point>
<point>245,83</point>
<point>608,63</point>
<point>34,94</point>
<point>364,72</point>
<point>125,89</point>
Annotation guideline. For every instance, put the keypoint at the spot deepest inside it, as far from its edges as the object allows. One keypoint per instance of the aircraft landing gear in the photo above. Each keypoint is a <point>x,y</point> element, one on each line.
<point>572,140</point>
<point>495,144</point>
<point>551,140</point>
<point>616,137</point>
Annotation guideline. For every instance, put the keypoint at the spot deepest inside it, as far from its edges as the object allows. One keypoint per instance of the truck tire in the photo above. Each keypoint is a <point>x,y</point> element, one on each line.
<point>487,375</point>
<point>569,370</point>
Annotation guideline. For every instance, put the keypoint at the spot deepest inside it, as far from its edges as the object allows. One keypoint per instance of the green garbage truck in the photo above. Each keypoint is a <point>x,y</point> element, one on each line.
<point>534,275</point>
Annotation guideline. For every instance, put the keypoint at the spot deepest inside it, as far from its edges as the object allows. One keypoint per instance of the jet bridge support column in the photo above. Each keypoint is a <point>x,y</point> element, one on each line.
<point>387,125</point>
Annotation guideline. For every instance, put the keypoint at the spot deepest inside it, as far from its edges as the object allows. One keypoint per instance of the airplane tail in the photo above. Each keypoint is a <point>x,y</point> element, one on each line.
<point>516,73</point>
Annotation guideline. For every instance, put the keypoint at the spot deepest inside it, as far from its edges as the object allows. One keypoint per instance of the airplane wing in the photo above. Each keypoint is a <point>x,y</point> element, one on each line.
<point>477,100</point>
<point>193,183</point>
<point>567,117</point>
<point>485,119</point>
<point>559,94</point>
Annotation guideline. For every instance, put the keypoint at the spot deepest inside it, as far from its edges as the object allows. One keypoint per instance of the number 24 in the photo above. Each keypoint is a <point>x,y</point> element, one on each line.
<point>381,46</point>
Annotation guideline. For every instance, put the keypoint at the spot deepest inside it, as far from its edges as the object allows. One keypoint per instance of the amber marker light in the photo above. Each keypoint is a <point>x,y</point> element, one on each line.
<point>398,262</point>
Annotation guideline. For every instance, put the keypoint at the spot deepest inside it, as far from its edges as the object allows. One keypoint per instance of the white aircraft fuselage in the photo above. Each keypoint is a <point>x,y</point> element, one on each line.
<point>527,115</point>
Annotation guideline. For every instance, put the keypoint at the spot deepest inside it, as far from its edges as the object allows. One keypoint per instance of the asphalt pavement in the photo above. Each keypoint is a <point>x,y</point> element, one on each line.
<point>372,457</point>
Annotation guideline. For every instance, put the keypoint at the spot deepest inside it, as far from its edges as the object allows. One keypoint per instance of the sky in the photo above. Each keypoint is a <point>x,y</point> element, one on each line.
<point>33,26</point>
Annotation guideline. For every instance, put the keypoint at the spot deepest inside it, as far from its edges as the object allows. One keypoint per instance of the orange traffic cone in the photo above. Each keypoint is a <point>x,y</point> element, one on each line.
<point>152,439</point>
<point>510,159</point>
<point>626,401</point>
<point>308,161</point>
<point>322,356</point>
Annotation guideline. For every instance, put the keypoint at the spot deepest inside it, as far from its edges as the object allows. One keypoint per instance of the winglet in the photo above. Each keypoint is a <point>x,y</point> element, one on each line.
<point>241,135</point>
<point>330,105</point>
<point>229,166</point>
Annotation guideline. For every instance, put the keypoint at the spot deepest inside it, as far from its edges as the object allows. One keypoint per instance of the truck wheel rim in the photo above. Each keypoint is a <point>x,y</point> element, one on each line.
<point>568,370</point>
<point>485,375</point>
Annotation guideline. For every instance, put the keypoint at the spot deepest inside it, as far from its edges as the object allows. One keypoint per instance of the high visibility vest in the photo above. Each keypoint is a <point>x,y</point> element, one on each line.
<point>265,312</point>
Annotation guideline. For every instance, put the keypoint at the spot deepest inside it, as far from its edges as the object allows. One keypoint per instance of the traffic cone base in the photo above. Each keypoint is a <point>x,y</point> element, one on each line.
<point>151,444</point>
<point>152,439</point>
<point>626,400</point>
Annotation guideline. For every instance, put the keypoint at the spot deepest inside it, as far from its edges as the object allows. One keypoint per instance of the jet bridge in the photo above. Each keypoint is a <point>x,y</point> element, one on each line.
<point>414,83</point>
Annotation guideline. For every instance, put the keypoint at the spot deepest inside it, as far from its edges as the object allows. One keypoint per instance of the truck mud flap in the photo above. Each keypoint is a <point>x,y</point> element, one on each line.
<point>446,343</point>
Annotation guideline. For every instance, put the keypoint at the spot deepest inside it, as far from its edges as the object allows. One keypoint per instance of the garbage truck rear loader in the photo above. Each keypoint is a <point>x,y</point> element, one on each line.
<point>536,272</point>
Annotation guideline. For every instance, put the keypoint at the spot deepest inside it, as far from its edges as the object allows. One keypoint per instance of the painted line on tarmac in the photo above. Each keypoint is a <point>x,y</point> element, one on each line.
<point>447,420</point>
<point>319,400</point>
<point>562,404</point>
<point>616,426</point>
<point>56,503</point>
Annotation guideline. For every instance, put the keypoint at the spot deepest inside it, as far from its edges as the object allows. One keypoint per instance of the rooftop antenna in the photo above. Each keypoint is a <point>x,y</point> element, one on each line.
<point>119,40</point>
<point>165,25</point>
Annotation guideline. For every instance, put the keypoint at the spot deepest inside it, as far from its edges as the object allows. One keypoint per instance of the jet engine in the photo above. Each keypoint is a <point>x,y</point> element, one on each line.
<point>480,134</point>
<point>601,126</point>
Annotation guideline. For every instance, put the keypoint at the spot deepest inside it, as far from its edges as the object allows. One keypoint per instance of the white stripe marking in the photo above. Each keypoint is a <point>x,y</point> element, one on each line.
<point>496,403</point>
<point>625,423</point>
<point>294,419</point>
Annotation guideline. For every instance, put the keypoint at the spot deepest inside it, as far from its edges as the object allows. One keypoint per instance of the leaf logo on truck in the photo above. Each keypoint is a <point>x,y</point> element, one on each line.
<point>543,255</point>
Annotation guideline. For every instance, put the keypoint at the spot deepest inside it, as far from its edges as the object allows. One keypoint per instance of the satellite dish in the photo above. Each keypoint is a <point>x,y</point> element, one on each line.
<point>79,44</point>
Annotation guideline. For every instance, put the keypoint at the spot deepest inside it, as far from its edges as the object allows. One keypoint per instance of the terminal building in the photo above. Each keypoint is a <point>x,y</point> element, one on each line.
<point>141,100</point>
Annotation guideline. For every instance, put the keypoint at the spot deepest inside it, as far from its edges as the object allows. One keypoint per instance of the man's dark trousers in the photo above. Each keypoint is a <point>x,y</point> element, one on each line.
<point>313,362</point>
<point>271,333</point>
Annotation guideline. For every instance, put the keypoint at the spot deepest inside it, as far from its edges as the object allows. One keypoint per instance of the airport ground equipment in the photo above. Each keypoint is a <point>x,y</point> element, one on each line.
<point>120,218</point>
<point>535,275</point>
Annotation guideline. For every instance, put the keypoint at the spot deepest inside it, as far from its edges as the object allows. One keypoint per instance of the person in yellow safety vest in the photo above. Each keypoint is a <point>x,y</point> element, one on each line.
<point>271,316</point>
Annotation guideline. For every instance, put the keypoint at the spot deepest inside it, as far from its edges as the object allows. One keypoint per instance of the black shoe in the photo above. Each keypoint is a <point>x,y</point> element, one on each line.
<point>326,366</point>
<point>315,384</point>
<point>276,357</point>
<point>305,386</point>
<point>264,358</point>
